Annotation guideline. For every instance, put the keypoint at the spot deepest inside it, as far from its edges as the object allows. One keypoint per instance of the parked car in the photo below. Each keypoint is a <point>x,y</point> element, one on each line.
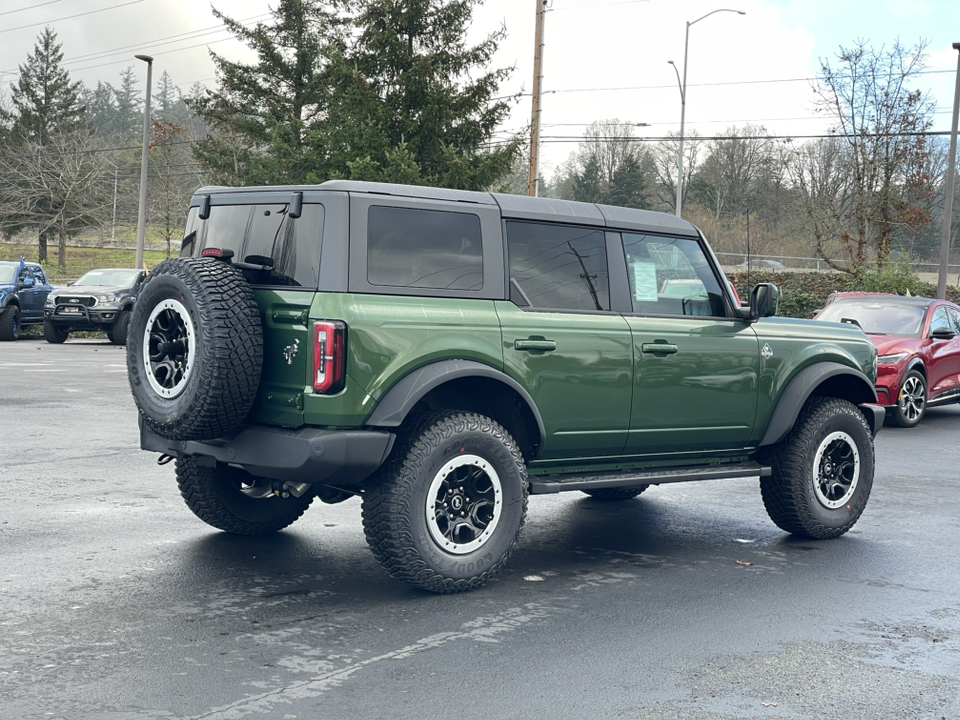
<point>761,264</point>
<point>100,300</point>
<point>856,294</point>
<point>918,341</point>
<point>23,291</point>
<point>449,353</point>
<point>674,287</point>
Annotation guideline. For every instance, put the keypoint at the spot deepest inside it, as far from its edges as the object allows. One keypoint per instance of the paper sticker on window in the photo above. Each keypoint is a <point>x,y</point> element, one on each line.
<point>644,281</point>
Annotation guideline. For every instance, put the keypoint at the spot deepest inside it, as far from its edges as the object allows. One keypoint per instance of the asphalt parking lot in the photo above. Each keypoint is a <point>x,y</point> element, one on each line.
<point>686,603</point>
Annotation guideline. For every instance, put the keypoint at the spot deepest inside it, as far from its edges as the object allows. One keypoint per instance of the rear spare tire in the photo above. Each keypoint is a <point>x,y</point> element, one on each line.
<point>194,349</point>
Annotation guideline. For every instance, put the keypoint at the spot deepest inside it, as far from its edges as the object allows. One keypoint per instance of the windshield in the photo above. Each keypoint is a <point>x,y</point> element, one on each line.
<point>878,318</point>
<point>7,272</point>
<point>108,278</point>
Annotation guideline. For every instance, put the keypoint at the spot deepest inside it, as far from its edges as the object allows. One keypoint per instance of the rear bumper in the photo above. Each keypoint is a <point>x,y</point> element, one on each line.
<point>343,458</point>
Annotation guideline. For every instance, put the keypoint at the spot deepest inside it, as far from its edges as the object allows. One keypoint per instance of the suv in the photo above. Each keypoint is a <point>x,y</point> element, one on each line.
<point>99,300</point>
<point>443,354</point>
<point>23,290</point>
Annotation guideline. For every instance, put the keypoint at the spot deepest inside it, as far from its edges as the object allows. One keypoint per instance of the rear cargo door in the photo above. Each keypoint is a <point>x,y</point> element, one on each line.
<point>259,229</point>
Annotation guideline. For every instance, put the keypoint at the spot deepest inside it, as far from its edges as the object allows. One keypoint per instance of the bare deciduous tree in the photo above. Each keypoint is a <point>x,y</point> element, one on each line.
<point>883,122</point>
<point>60,186</point>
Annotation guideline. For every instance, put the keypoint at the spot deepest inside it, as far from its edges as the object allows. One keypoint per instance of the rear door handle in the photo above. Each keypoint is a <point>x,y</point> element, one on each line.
<point>658,348</point>
<point>535,344</point>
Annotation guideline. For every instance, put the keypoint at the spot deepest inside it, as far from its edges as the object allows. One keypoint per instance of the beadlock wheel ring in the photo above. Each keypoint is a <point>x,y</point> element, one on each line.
<point>836,470</point>
<point>169,348</point>
<point>464,504</point>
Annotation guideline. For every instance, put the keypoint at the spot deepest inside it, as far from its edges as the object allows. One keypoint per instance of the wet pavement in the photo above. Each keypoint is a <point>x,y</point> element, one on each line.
<point>686,603</point>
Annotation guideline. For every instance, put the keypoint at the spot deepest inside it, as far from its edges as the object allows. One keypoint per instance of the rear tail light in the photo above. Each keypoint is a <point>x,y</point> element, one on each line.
<point>329,356</point>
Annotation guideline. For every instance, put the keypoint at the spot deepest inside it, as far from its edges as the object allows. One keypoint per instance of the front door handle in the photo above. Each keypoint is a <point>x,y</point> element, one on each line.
<point>535,344</point>
<point>658,348</point>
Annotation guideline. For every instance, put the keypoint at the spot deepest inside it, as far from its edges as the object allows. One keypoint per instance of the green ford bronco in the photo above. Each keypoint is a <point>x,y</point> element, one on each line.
<point>444,354</point>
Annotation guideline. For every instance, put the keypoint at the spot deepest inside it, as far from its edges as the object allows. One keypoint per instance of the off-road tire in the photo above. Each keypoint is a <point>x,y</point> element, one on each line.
<point>830,435</point>
<point>912,403</point>
<point>616,493</point>
<point>10,323</point>
<point>421,469</point>
<point>194,349</point>
<point>214,496</point>
<point>54,334</point>
<point>117,333</point>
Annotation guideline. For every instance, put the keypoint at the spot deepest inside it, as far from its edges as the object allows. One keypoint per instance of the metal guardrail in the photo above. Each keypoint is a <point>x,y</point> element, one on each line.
<point>730,260</point>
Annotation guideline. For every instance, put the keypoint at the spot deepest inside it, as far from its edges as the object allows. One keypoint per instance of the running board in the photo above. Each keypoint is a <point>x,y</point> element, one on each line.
<point>543,484</point>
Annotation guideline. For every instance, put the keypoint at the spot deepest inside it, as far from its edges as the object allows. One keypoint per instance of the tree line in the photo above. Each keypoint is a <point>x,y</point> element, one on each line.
<point>384,91</point>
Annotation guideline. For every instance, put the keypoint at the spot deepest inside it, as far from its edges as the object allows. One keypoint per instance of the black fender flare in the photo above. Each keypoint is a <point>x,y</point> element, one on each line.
<point>394,407</point>
<point>11,299</point>
<point>801,388</point>
<point>914,364</point>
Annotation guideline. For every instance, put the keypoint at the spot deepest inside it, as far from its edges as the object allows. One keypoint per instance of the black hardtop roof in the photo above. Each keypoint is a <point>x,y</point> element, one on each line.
<point>521,207</point>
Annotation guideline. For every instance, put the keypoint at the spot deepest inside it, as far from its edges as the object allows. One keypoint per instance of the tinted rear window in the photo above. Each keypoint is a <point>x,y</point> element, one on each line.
<point>265,231</point>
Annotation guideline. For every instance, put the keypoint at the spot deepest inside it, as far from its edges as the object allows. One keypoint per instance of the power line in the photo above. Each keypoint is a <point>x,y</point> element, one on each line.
<point>667,138</point>
<point>70,17</point>
<point>718,84</point>
<point>156,42</point>
<point>29,7</point>
<point>162,52</point>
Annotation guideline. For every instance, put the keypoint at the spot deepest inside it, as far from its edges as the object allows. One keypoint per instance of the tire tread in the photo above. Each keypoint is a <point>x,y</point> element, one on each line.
<point>387,506</point>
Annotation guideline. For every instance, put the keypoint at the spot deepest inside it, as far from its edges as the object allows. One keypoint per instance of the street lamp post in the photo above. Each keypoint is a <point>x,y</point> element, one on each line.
<point>948,197</point>
<point>144,159</point>
<point>683,99</point>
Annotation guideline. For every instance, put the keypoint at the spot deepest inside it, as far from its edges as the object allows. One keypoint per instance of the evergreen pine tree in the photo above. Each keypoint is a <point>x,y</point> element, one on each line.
<point>44,99</point>
<point>262,113</point>
<point>46,105</point>
<point>101,108</point>
<point>129,116</point>
<point>413,101</point>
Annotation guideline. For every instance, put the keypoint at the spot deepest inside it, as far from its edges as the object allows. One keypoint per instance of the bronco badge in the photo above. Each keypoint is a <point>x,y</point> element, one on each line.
<point>290,351</point>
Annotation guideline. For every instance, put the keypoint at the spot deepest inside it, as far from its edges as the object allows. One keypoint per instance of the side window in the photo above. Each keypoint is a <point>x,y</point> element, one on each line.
<point>190,233</point>
<point>955,318</point>
<point>671,276</point>
<point>430,249</point>
<point>255,232</point>
<point>940,320</point>
<point>38,274</point>
<point>559,267</point>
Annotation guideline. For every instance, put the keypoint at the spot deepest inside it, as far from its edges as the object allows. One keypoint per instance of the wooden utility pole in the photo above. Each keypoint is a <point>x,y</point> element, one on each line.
<point>535,122</point>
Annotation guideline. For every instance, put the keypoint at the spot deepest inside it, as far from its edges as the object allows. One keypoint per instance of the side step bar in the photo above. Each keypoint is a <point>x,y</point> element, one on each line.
<point>543,484</point>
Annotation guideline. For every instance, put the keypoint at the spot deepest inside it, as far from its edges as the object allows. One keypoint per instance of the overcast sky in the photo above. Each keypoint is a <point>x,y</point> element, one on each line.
<point>603,58</point>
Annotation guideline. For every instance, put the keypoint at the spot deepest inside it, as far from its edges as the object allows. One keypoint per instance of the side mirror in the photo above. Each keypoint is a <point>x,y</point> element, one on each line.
<point>763,301</point>
<point>943,334</point>
<point>28,282</point>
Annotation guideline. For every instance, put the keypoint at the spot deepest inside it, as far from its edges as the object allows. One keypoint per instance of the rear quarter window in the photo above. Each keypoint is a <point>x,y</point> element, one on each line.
<point>429,249</point>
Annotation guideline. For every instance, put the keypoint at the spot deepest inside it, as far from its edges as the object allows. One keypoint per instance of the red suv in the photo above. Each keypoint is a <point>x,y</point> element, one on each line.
<point>918,341</point>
